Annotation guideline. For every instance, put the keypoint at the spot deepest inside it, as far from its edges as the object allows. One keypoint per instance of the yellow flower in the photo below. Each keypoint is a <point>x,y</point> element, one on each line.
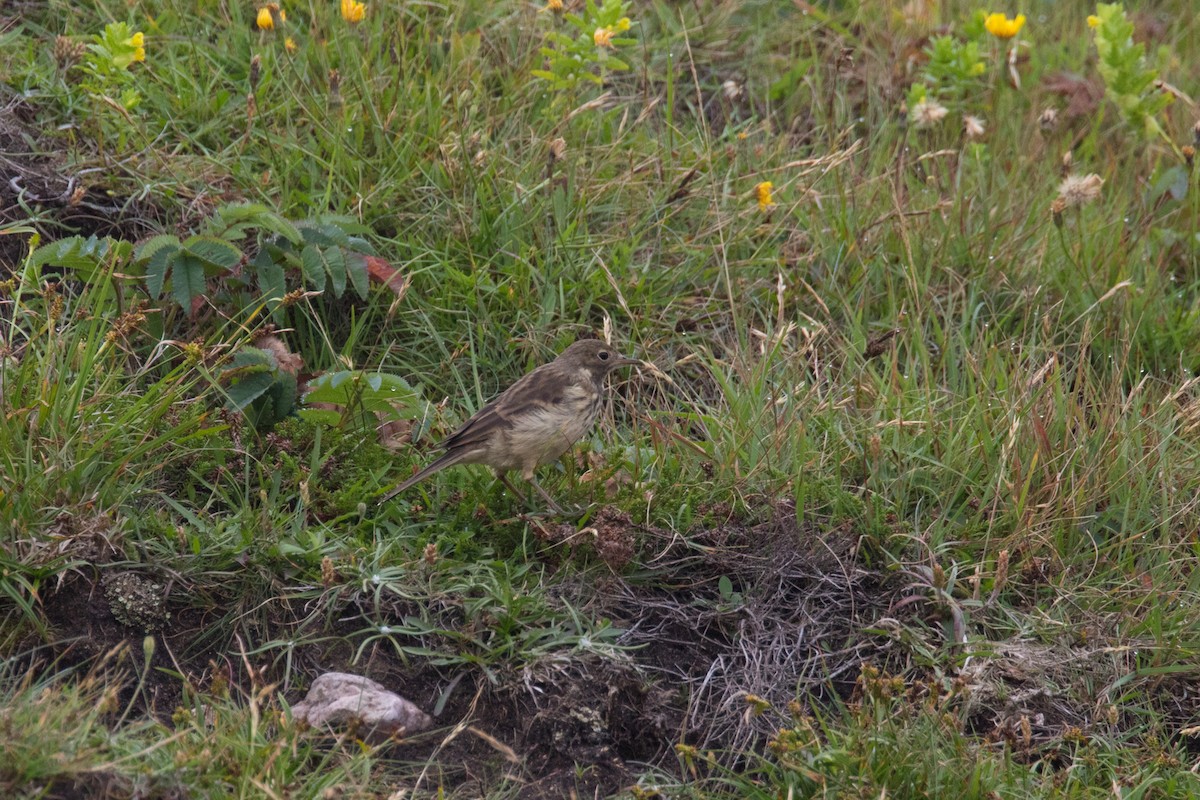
<point>353,11</point>
<point>138,42</point>
<point>289,44</point>
<point>268,15</point>
<point>1093,21</point>
<point>623,24</point>
<point>603,37</point>
<point>554,5</point>
<point>762,192</point>
<point>1002,27</point>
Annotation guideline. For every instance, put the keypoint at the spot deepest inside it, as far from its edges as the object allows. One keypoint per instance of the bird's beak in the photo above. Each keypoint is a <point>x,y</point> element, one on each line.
<point>622,361</point>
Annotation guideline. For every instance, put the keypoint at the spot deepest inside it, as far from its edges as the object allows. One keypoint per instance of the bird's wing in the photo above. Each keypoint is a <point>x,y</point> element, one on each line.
<point>542,388</point>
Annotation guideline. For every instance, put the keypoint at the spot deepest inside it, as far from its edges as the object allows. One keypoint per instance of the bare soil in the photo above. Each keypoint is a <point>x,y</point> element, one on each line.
<point>788,618</point>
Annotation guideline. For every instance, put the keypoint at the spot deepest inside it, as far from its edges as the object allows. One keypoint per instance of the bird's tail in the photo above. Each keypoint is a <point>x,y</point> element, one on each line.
<point>447,459</point>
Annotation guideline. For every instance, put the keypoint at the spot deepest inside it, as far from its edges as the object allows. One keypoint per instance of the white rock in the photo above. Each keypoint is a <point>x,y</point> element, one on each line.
<point>344,700</point>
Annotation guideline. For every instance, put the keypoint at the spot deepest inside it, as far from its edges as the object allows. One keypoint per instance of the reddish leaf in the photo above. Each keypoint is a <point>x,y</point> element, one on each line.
<point>383,272</point>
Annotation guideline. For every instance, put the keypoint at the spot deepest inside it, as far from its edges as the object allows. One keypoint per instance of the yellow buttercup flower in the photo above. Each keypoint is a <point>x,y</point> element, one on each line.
<point>353,11</point>
<point>1093,21</point>
<point>762,193</point>
<point>603,37</point>
<point>289,44</point>
<point>623,24</point>
<point>1000,26</point>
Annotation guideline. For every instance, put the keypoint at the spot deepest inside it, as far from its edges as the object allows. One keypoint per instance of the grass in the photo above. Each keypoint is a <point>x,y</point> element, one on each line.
<point>916,464</point>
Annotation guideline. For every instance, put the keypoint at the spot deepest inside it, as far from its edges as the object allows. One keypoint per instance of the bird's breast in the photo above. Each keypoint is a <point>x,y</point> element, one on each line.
<point>543,432</point>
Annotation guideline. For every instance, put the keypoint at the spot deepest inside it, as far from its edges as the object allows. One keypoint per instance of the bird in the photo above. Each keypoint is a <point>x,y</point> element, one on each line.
<point>534,421</point>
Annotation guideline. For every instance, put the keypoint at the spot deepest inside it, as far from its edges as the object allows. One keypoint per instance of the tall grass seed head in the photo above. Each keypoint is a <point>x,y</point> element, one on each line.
<point>67,51</point>
<point>1079,190</point>
<point>973,127</point>
<point>926,113</point>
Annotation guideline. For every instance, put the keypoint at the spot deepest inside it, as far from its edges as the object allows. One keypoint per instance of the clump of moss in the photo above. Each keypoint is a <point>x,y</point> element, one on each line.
<point>136,601</point>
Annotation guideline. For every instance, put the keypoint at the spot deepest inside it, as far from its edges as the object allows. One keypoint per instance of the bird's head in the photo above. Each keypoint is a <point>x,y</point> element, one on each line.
<point>594,356</point>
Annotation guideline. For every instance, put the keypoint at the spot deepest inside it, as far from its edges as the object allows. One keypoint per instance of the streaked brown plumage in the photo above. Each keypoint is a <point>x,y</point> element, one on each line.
<point>535,420</point>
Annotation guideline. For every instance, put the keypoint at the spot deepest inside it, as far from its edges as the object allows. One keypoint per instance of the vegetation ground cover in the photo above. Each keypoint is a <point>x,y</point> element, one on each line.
<point>903,502</point>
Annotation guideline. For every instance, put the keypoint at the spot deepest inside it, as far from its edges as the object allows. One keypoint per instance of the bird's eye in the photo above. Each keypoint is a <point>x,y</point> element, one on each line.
<point>603,355</point>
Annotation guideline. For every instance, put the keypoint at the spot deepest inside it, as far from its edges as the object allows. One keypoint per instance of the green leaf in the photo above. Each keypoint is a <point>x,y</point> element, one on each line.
<point>84,256</point>
<point>335,264</point>
<point>248,389</point>
<point>234,220</point>
<point>313,267</point>
<point>216,253</point>
<point>187,278</point>
<point>272,281</point>
<point>159,265</point>
<point>381,392</point>
<point>147,249</point>
<point>356,268</point>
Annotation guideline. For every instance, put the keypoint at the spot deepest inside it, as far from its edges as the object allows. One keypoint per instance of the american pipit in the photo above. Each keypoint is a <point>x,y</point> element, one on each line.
<point>535,420</point>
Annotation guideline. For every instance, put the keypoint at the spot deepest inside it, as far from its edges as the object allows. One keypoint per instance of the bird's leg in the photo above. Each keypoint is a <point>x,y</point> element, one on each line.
<point>524,498</point>
<point>549,500</point>
<point>503,477</point>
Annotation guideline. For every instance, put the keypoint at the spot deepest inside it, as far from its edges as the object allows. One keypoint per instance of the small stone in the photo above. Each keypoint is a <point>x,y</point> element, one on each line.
<point>352,701</point>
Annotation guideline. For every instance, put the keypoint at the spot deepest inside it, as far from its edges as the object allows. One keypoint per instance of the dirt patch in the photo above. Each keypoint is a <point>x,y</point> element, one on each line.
<point>38,179</point>
<point>725,623</point>
<point>742,614</point>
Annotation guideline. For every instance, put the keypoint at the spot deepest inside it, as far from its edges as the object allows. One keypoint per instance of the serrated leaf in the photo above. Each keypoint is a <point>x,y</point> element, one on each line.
<point>313,267</point>
<point>283,396</point>
<point>241,216</point>
<point>313,235</point>
<point>216,253</point>
<point>148,248</point>
<point>158,266</point>
<point>336,234</point>
<point>335,263</point>
<point>272,281</point>
<point>360,278</point>
<point>360,245</point>
<point>84,256</point>
<point>248,389</point>
<point>187,279</point>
